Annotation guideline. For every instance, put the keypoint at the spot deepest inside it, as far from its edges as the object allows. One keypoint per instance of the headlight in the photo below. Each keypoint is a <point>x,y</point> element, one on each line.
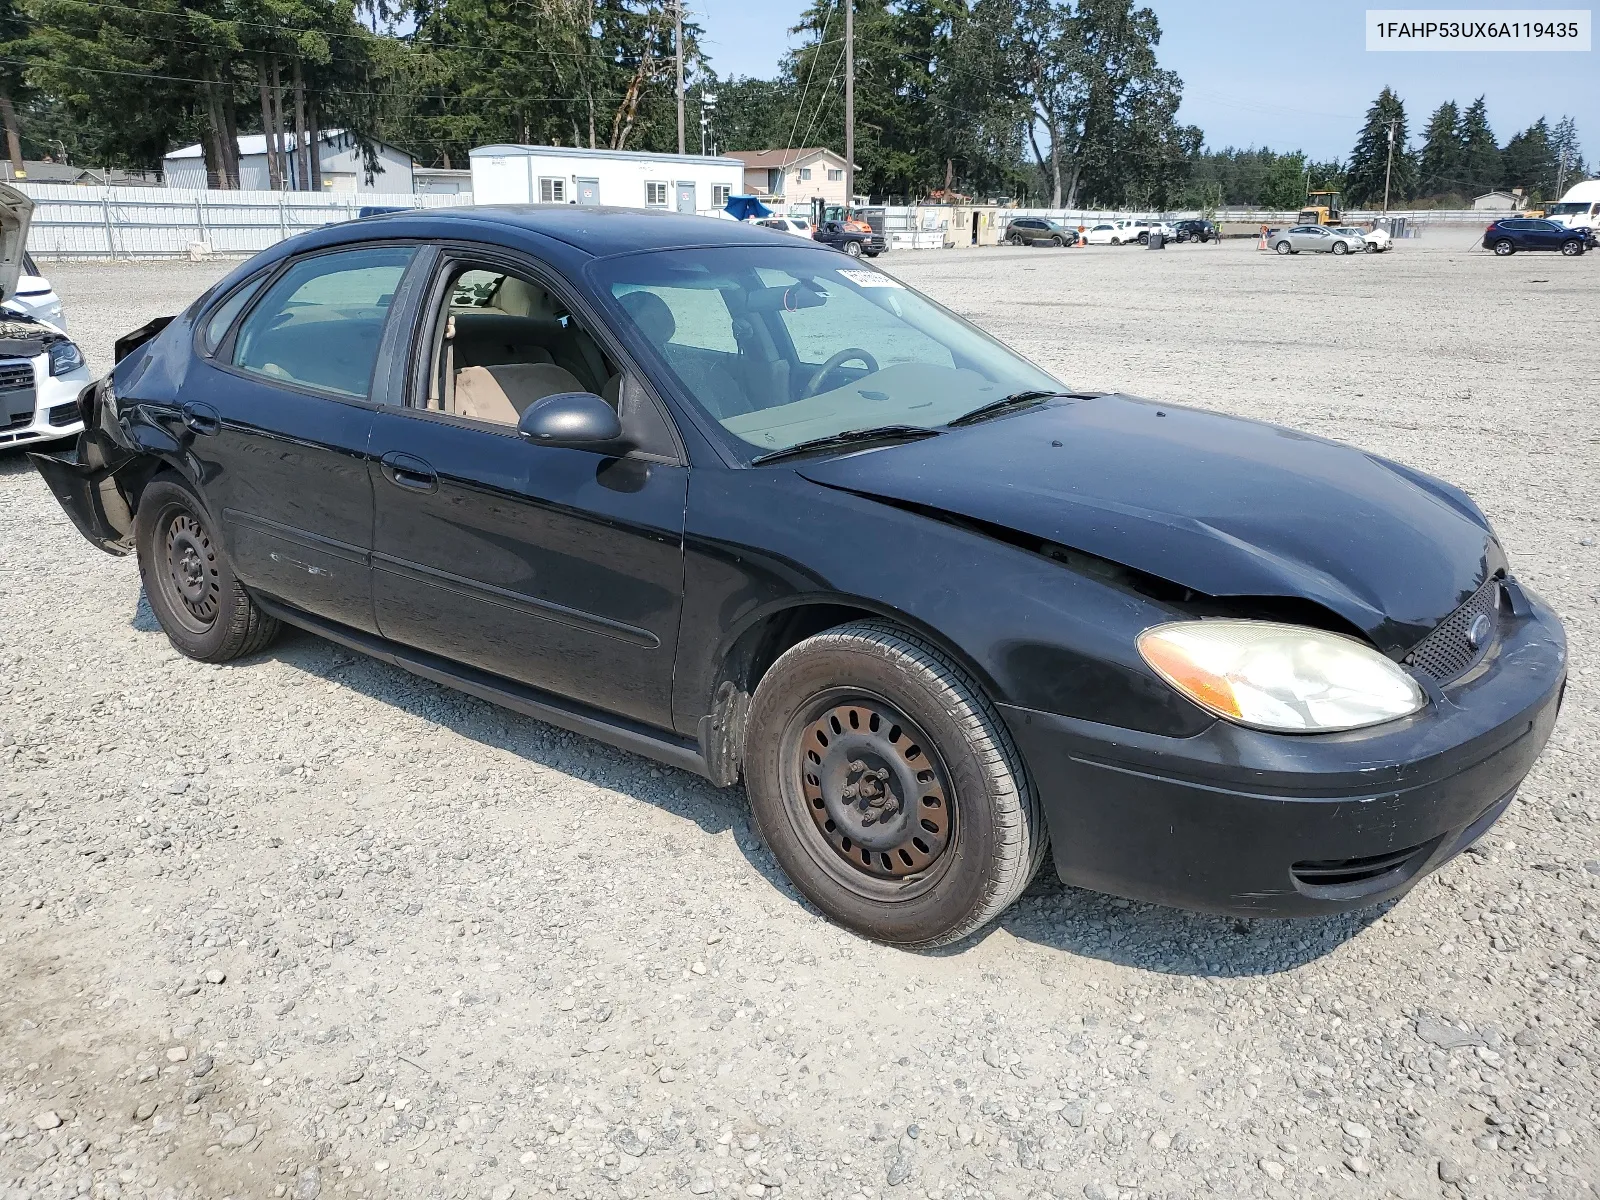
<point>1287,678</point>
<point>64,357</point>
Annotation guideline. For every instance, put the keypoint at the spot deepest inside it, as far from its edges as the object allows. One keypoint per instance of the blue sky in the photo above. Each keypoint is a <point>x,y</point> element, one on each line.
<point>1265,72</point>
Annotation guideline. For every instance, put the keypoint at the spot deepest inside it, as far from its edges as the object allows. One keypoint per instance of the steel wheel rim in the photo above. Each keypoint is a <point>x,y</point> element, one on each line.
<point>877,813</point>
<point>190,576</point>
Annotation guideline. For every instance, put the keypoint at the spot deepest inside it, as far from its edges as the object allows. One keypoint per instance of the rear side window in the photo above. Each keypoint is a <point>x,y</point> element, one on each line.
<point>319,324</point>
<point>221,319</point>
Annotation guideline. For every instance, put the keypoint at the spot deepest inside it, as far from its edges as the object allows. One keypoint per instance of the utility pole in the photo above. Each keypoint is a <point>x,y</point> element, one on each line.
<point>677,41</point>
<point>849,104</point>
<point>1389,168</point>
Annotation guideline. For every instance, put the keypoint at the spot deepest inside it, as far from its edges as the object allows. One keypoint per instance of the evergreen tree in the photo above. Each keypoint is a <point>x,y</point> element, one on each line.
<point>1439,164</point>
<point>1480,154</point>
<point>1569,153</point>
<point>1370,159</point>
<point>1529,161</point>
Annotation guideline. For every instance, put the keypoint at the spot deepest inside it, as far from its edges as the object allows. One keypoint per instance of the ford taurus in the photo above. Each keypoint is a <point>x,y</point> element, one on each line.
<point>735,503</point>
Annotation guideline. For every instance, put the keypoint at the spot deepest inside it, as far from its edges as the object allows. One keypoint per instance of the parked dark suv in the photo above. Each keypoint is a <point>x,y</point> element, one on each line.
<point>851,238</point>
<point>1037,231</point>
<point>1511,234</point>
<point>1196,231</point>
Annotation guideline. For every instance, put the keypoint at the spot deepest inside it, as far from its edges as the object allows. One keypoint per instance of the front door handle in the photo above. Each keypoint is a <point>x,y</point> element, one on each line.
<point>410,472</point>
<point>201,418</point>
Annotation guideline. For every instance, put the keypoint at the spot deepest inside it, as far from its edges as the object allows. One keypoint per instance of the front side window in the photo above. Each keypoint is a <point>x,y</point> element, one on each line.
<point>552,190</point>
<point>780,345</point>
<point>503,341</point>
<point>320,323</point>
<point>655,193</point>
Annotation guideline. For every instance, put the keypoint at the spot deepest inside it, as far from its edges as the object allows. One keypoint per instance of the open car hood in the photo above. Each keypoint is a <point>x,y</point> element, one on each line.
<point>16,210</point>
<point>1223,506</point>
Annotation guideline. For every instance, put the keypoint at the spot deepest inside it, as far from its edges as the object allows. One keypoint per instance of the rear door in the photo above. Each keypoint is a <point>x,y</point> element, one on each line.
<point>277,411</point>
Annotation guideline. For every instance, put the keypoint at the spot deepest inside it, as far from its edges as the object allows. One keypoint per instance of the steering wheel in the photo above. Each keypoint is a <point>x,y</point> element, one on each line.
<point>850,353</point>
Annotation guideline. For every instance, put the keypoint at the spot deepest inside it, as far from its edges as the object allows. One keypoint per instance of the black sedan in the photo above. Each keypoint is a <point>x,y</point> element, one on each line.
<point>1507,236</point>
<point>710,494</point>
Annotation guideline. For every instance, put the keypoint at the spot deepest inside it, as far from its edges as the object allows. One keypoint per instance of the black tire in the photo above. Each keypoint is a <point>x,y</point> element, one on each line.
<point>1572,248</point>
<point>935,872</point>
<point>853,249</point>
<point>1116,241</point>
<point>1015,239</point>
<point>1057,240</point>
<point>200,605</point>
<point>1371,248</point>
<point>1340,248</point>
<point>1144,239</point>
<point>1284,248</point>
<point>1504,248</point>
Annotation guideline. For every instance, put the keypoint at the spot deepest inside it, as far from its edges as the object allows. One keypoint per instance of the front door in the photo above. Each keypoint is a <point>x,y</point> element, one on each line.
<point>558,568</point>
<point>686,196</point>
<point>588,191</point>
<point>278,420</point>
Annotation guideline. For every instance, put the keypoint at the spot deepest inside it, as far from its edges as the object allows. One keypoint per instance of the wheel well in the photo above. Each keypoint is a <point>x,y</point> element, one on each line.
<point>751,656</point>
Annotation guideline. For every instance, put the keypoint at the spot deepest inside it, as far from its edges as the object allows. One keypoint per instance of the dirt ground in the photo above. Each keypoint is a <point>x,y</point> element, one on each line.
<point>307,926</point>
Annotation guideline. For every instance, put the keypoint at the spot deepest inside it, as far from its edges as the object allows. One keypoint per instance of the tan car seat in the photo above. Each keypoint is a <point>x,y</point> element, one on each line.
<point>503,393</point>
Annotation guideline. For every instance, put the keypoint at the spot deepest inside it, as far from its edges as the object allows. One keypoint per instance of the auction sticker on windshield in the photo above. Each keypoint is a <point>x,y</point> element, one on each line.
<point>871,279</point>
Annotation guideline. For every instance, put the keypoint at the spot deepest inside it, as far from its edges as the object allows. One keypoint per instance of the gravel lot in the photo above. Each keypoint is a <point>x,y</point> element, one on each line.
<point>308,926</point>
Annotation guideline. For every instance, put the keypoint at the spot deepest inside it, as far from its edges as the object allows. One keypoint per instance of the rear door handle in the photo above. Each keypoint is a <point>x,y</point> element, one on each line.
<point>410,472</point>
<point>201,418</point>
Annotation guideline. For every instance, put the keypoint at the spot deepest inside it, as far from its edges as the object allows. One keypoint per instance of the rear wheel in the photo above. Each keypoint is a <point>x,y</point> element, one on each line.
<point>1504,247</point>
<point>888,787</point>
<point>1144,239</point>
<point>1572,248</point>
<point>200,605</point>
<point>1284,248</point>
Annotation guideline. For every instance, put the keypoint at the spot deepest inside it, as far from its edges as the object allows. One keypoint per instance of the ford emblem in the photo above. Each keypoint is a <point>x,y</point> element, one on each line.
<point>1478,632</point>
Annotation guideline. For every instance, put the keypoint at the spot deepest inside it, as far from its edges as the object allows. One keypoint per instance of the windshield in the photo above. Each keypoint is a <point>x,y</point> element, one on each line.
<point>782,346</point>
<point>1566,208</point>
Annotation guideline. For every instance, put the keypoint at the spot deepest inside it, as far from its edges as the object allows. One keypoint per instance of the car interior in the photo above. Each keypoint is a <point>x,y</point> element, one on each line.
<point>504,342</point>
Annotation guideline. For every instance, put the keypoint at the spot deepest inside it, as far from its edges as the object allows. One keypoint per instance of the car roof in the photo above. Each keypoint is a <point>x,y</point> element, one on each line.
<point>597,230</point>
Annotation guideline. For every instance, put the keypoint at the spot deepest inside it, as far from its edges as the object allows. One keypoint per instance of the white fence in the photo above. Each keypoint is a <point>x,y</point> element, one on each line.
<point>70,221</point>
<point>138,222</point>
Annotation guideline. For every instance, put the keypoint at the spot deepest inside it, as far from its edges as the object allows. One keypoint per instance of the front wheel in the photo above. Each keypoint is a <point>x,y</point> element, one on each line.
<point>198,602</point>
<point>1572,248</point>
<point>853,249</point>
<point>888,787</point>
<point>1504,248</point>
<point>1116,241</point>
<point>1340,248</point>
<point>1058,241</point>
<point>1371,248</point>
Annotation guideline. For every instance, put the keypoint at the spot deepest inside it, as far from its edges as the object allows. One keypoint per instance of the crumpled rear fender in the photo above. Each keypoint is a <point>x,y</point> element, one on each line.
<point>98,480</point>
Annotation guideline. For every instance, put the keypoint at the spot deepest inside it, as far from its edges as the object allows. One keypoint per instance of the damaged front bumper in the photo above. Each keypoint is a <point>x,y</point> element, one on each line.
<point>1248,823</point>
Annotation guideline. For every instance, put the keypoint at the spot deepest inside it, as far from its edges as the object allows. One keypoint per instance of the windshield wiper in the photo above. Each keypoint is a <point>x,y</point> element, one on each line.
<point>1014,400</point>
<point>874,433</point>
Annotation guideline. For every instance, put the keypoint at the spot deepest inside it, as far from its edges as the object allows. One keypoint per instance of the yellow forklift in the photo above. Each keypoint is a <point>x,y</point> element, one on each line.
<point>1321,208</point>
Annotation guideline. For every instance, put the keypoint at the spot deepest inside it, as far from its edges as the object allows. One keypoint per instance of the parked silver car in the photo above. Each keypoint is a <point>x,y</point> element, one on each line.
<point>1316,237</point>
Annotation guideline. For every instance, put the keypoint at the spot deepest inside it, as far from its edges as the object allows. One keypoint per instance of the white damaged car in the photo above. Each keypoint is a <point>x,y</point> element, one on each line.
<point>41,368</point>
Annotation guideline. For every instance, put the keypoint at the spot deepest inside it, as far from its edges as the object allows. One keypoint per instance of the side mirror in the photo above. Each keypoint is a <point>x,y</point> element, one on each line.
<point>578,420</point>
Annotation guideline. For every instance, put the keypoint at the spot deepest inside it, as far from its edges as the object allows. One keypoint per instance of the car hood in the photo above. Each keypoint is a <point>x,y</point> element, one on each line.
<point>1220,505</point>
<point>16,211</point>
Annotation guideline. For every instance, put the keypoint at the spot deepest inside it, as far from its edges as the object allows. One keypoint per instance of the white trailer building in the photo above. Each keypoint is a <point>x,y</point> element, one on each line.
<point>627,178</point>
<point>342,167</point>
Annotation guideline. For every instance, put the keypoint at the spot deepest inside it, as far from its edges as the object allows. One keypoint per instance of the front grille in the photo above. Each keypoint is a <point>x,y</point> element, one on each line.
<point>1447,652</point>
<point>14,377</point>
<point>64,414</point>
